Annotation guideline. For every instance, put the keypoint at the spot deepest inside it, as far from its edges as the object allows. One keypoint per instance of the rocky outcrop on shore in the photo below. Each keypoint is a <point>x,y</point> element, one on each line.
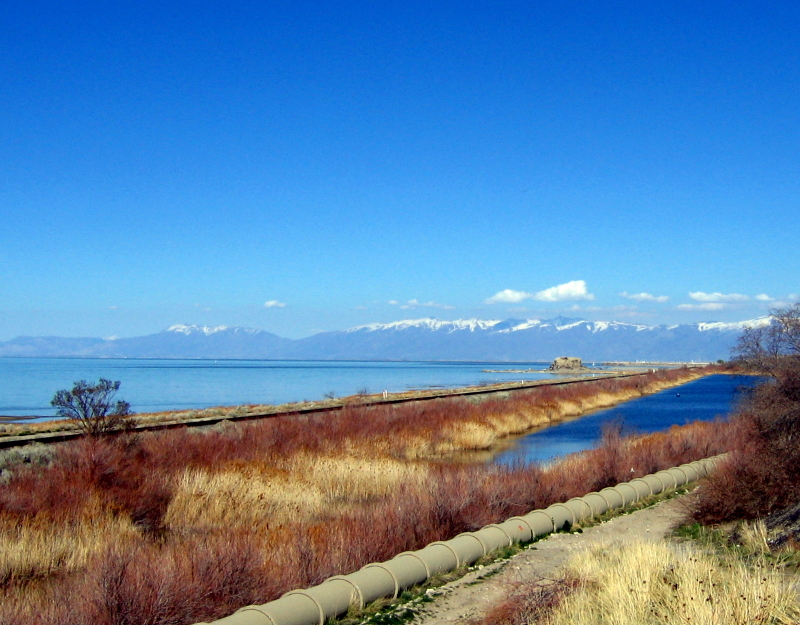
<point>567,364</point>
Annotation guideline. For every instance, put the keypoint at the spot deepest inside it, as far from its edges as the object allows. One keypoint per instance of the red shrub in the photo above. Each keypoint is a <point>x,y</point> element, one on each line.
<point>762,474</point>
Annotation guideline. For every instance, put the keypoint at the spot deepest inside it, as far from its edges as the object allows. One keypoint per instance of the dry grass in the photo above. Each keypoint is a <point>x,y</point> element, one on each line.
<point>184,525</point>
<point>665,584</point>
<point>355,401</point>
<point>302,489</point>
<point>482,426</point>
<point>38,548</point>
<point>239,499</point>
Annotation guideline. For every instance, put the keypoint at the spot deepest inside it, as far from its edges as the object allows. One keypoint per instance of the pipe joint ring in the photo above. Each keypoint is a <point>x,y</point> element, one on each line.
<point>303,593</point>
<point>519,519</point>
<point>412,554</point>
<point>640,480</point>
<point>683,472</point>
<point>358,593</point>
<point>484,546</point>
<point>603,497</point>
<point>442,543</point>
<point>505,533</point>
<point>252,608</point>
<point>383,567</point>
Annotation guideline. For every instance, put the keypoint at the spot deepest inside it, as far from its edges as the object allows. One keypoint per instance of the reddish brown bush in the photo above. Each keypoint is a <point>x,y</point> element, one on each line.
<point>762,473</point>
<point>167,576</point>
<point>119,471</point>
<point>529,602</point>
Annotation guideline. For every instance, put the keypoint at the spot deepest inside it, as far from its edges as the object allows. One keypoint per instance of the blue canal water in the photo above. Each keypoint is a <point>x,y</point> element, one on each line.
<point>701,400</point>
<point>28,384</point>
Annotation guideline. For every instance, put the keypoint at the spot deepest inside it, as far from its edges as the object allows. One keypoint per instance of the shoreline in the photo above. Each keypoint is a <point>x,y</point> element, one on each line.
<point>504,443</point>
<point>15,434</point>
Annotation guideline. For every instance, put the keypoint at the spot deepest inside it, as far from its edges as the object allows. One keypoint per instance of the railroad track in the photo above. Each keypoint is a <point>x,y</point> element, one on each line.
<point>143,426</point>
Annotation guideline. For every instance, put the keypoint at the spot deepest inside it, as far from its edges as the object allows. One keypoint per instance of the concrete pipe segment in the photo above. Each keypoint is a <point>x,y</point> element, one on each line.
<point>336,595</point>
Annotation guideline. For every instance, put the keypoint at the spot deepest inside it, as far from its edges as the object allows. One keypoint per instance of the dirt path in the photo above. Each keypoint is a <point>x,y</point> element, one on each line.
<point>468,598</point>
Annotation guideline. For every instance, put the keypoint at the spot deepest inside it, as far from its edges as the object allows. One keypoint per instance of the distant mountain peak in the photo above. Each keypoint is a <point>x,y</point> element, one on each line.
<point>180,328</point>
<point>759,322</point>
<point>430,323</point>
<point>520,340</point>
<point>188,330</point>
<point>561,322</point>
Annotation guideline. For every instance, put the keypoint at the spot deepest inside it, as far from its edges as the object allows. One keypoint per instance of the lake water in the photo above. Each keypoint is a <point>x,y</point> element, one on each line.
<point>701,400</point>
<point>28,384</point>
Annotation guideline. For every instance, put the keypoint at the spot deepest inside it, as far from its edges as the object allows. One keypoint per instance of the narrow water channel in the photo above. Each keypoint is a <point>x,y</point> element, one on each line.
<point>700,400</point>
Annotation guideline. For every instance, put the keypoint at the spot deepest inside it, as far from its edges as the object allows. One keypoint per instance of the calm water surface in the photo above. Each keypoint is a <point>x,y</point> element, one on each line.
<point>701,400</point>
<point>27,384</point>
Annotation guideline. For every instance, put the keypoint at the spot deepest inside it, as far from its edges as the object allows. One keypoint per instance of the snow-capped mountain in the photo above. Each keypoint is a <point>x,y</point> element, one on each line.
<point>429,324</point>
<point>209,330</point>
<point>518,340</point>
<point>178,341</point>
<point>525,340</point>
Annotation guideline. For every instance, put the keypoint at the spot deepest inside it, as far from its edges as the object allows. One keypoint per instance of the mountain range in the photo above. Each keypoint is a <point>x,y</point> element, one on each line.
<point>512,340</point>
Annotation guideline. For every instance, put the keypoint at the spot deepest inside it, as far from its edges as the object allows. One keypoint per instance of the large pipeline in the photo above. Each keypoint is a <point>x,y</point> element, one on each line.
<point>334,596</point>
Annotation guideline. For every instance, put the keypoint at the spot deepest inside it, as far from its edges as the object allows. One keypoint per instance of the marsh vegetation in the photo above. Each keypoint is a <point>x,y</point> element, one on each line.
<point>189,525</point>
<point>738,558</point>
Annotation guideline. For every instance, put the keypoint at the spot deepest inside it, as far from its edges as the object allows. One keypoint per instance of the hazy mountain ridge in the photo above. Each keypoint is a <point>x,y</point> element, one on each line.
<point>415,339</point>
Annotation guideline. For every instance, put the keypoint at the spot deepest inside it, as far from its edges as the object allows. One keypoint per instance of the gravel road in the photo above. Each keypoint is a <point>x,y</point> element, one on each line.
<point>468,598</point>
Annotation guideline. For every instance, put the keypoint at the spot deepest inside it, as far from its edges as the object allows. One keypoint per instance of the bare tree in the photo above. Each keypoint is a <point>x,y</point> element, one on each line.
<point>775,347</point>
<point>91,407</point>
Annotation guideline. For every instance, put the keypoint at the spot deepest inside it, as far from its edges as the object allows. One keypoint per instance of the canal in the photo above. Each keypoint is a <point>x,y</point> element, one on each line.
<point>701,400</point>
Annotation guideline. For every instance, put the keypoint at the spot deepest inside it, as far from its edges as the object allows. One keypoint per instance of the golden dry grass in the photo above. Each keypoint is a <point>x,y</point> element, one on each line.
<point>271,493</point>
<point>304,488</point>
<point>39,547</point>
<point>666,584</point>
<point>483,434</point>
<point>205,500</point>
<point>18,429</point>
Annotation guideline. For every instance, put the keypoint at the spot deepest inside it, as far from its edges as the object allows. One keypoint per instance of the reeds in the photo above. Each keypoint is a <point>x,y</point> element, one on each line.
<point>180,526</point>
<point>666,584</point>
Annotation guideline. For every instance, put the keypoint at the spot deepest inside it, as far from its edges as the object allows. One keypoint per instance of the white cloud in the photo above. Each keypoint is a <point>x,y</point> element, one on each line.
<point>763,297</point>
<point>574,290</point>
<point>273,303</point>
<point>644,297</point>
<point>704,306</point>
<point>699,296</point>
<point>509,296</point>
<point>789,300</point>
<point>414,303</point>
<point>393,302</point>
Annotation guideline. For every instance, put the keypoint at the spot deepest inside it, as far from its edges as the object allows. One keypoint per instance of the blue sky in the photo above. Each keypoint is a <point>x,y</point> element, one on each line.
<point>301,167</point>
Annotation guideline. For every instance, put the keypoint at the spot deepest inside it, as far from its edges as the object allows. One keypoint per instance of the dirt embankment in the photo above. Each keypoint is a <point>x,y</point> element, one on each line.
<point>469,598</point>
<point>14,434</point>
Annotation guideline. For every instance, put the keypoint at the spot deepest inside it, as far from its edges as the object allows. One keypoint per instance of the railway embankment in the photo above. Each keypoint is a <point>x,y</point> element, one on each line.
<point>14,434</point>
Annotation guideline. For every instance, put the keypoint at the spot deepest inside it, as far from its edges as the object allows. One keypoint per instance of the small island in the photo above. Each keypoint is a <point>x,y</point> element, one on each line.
<point>567,364</point>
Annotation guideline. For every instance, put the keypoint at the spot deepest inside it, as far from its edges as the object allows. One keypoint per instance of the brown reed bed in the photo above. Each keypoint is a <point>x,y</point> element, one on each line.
<point>248,411</point>
<point>187,525</point>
